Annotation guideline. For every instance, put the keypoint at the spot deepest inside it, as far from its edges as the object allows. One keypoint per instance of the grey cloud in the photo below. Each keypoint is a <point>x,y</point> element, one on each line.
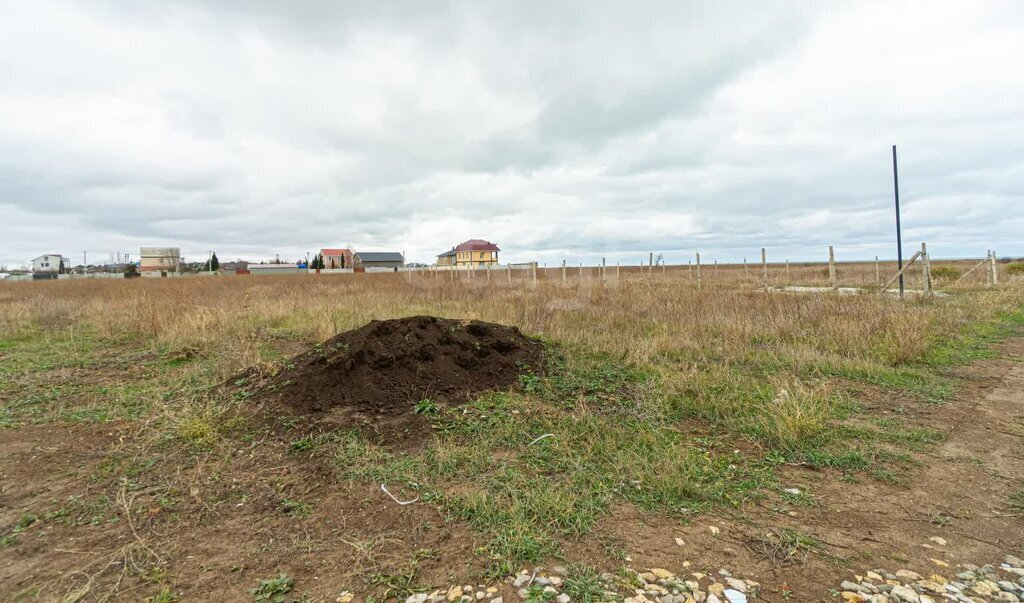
<point>572,129</point>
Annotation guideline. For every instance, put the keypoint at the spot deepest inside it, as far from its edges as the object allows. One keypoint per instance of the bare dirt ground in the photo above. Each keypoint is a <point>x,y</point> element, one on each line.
<point>215,528</point>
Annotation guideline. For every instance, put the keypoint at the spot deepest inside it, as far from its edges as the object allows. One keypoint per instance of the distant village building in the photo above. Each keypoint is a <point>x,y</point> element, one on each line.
<point>337,258</point>
<point>376,261</point>
<point>267,269</point>
<point>50,262</point>
<point>472,253</point>
<point>447,258</point>
<point>159,261</point>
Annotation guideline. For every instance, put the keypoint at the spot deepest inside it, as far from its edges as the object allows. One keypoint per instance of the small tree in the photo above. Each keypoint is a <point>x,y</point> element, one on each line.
<point>214,263</point>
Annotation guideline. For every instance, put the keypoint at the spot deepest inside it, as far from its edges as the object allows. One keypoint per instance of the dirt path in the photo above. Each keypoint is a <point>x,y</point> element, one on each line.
<point>958,493</point>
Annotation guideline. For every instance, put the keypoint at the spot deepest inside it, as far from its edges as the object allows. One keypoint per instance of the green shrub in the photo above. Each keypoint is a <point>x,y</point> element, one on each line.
<point>1016,268</point>
<point>945,273</point>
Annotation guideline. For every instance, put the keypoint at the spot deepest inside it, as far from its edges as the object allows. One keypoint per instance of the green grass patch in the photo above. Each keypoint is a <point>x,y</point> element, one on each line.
<point>535,467</point>
<point>974,340</point>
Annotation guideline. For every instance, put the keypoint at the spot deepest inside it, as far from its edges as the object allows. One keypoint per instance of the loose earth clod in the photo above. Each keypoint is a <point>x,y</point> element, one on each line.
<point>390,375</point>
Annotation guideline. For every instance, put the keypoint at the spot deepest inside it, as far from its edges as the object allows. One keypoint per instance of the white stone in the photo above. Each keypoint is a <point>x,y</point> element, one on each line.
<point>905,593</point>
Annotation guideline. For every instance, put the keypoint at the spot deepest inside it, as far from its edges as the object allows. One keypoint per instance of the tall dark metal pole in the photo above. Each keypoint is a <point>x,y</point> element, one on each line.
<point>899,232</point>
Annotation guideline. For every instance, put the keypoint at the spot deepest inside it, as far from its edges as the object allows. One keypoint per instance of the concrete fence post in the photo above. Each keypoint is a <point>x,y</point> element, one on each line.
<point>878,273</point>
<point>787,270</point>
<point>508,268</point>
<point>764,267</point>
<point>926,271</point>
<point>563,272</point>
<point>831,267</point>
<point>604,269</point>
<point>699,283</point>
<point>995,269</point>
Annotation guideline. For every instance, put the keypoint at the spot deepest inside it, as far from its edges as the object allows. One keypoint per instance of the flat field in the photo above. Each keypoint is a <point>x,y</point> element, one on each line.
<point>794,440</point>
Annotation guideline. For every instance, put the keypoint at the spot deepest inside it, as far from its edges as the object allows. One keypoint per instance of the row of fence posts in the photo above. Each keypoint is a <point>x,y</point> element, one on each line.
<point>922,255</point>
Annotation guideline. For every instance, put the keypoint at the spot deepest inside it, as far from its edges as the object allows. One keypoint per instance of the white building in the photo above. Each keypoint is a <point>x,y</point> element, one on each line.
<point>49,262</point>
<point>159,261</point>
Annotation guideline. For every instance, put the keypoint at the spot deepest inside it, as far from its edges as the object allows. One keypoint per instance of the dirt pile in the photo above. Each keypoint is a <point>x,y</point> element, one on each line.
<point>374,375</point>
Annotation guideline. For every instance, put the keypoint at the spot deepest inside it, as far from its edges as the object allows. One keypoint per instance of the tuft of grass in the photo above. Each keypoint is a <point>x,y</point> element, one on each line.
<point>583,584</point>
<point>787,546</point>
<point>296,508</point>
<point>798,418</point>
<point>397,585</point>
<point>166,595</point>
<point>1017,500</point>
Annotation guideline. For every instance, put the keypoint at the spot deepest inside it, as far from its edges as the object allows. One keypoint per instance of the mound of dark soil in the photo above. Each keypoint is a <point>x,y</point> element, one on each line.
<point>374,375</point>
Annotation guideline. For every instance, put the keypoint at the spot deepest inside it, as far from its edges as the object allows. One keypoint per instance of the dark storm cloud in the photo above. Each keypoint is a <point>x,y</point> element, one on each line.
<point>572,129</point>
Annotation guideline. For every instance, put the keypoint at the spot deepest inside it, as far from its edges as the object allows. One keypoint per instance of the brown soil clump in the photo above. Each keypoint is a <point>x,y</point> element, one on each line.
<point>373,376</point>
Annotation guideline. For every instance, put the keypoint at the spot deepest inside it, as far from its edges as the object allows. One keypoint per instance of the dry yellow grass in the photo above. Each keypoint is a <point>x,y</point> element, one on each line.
<point>638,318</point>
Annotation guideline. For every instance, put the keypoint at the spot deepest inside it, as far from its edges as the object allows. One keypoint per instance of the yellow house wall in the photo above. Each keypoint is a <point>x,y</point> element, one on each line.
<point>476,257</point>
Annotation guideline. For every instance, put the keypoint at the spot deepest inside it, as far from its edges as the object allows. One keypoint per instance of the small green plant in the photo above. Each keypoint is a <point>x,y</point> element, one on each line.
<point>530,383</point>
<point>164,596</point>
<point>945,273</point>
<point>537,594</point>
<point>398,585</point>
<point>272,590</point>
<point>25,521</point>
<point>787,546</point>
<point>296,508</point>
<point>426,407</point>
<point>302,444</point>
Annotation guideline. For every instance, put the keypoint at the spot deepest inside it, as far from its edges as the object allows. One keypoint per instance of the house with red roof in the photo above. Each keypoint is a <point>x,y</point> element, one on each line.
<point>337,258</point>
<point>476,253</point>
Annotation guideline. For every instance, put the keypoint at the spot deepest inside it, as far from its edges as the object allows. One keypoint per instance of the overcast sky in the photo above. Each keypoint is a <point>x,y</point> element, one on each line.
<point>555,129</point>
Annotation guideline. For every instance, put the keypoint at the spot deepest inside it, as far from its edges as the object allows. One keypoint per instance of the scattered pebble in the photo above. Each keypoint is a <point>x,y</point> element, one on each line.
<point>971,585</point>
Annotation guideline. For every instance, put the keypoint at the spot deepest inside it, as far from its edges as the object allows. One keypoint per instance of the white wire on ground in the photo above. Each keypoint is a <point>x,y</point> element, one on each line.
<point>546,435</point>
<point>408,502</point>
